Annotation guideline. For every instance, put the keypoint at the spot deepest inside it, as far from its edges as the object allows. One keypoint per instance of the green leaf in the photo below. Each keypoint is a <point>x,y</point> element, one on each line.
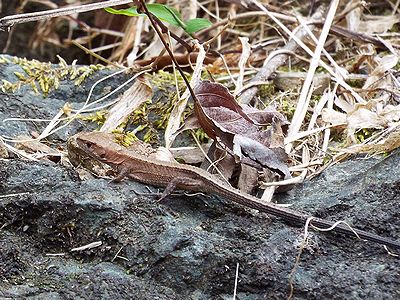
<point>197,24</point>
<point>163,12</point>
<point>131,12</point>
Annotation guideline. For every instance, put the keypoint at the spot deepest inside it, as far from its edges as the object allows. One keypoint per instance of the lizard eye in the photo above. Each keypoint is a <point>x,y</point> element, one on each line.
<point>88,144</point>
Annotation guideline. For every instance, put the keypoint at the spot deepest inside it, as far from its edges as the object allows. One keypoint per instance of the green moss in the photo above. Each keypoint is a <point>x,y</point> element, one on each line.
<point>154,115</point>
<point>99,117</point>
<point>364,134</point>
<point>125,138</point>
<point>356,83</point>
<point>288,106</point>
<point>165,81</point>
<point>266,91</point>
<point>45,77</point>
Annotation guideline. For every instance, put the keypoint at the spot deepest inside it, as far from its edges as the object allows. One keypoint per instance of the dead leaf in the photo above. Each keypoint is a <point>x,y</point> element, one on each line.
<point>225,120</point>
<point>260,154</point>
<point>128,102</point>
<point>3,150</point>
<point>369,115</point>
<point>384,64</point>
<point>333,117</point>
<point>378,24</point>
<point>37,147</point>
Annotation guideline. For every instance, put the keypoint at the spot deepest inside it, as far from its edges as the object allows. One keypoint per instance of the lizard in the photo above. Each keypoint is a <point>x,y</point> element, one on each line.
<point>173,175</point>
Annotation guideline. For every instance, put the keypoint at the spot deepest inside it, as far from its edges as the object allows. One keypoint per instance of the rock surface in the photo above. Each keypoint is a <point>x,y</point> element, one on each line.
<point>186,247</point>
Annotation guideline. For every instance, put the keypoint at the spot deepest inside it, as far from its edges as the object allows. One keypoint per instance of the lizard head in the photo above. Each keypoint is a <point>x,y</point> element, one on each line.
<point>98,145</point>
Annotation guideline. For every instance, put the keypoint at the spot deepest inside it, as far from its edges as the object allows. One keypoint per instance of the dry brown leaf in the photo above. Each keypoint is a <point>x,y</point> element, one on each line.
<point>261,154</point>
<point>369,115</point>
<point>3,150</point>
<point>128,102</point>
<point>388,144</point>
<point>378,24</point>
<point>222,118</point>
<point>385,64</point>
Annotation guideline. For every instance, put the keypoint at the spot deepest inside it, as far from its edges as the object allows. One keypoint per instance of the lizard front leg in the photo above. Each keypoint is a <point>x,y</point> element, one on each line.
<point>123,172</point>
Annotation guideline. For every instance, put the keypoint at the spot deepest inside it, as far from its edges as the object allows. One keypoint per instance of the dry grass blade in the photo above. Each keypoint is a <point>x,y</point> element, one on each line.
<point>271,65</point>
<point>302,104</point>
<point>35,16</point>
<point>174,121</point>
<point>242,62</point>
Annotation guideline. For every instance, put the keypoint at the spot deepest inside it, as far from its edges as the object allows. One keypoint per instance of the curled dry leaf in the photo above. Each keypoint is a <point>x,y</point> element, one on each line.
<point>238,128</point>
<point>368,115</point>
<point>384,64</point>
<point>260,154</point>
<point>38,148</point>
<point>333,117</point>
<point>378,24</point>
<point>127,103</point>
<point>3,150</point>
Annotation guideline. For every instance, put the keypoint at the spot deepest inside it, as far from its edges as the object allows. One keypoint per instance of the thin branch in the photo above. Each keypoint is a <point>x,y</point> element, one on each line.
<point>9,21</point>
<point>166,46</point>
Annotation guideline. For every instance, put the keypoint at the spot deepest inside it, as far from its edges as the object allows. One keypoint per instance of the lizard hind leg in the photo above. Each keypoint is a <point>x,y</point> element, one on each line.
<point>182,183</point>
<point>169,189</point>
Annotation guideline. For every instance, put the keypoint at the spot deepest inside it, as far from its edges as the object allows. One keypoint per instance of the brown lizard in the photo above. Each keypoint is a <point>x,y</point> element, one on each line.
<point>171,175</point>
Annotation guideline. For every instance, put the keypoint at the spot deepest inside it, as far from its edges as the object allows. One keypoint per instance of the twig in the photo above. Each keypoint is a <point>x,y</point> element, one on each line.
<point>166,46</point>
<point>236,281</point>
<point>9,21</point>
<point>90,52</point>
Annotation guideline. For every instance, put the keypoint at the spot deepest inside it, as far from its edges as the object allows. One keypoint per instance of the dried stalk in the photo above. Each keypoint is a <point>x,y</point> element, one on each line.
<point>7,22</point>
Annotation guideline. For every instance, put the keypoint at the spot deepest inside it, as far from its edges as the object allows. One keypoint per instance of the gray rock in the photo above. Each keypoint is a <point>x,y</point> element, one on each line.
<point>185,247</point>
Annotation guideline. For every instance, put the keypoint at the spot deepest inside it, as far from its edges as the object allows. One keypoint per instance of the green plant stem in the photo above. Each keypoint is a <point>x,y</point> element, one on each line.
<point>152,19</point>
